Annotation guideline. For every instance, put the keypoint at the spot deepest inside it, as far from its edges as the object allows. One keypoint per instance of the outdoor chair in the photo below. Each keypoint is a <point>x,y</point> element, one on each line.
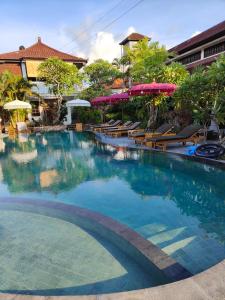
<point>124,131</point>
<point>140,136</point>
<point>110,122</point>
<point>116,123</point>
<point>123,126</point>
<point>188,134</point>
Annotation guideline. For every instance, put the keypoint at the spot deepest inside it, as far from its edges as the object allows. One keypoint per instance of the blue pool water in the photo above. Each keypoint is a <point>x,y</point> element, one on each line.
<point>177,204</point>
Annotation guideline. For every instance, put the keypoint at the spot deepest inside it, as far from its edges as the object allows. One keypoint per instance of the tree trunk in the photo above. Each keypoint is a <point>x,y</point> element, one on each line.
<point>58,110</point>
<point>153,112</point>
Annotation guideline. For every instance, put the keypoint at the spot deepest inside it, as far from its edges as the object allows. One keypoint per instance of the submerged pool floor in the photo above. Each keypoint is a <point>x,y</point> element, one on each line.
<point>49,256</point>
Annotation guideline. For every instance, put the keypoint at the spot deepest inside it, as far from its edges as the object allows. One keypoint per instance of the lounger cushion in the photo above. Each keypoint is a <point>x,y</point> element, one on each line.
<point>124,126</point>
<point>160,130</point>
<point>138,134</point>
<point>117,123</point>
<point>186,133</point>
<point>132,127</point>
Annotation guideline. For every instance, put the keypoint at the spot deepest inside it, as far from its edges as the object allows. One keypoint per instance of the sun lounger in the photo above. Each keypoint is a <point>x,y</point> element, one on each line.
<point>123,126</point>
<point>116,123</point>
<point>110,122</point>
<point>122,131</point>
<point>92,126</point>
<point>140,136</point>
<point>188,134</point>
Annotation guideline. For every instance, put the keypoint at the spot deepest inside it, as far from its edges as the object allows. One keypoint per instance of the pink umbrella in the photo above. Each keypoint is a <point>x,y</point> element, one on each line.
<point>99,100</point>
<point>152,88</point>
<point>111,99</point>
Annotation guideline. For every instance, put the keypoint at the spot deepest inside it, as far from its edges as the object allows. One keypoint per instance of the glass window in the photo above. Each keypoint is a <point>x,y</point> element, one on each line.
<point>190,58</point>
<point>218,48</point>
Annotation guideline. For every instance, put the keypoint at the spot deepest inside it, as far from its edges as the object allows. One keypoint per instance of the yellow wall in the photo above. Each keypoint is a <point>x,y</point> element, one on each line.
<point>32,66</point>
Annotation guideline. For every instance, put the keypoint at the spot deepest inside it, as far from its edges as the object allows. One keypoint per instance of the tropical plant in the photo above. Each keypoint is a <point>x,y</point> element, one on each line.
<point>99,76</point>
<point>203,92</point>
<point>61,77</point>
<point>14,87</point>
<point>149,63</point>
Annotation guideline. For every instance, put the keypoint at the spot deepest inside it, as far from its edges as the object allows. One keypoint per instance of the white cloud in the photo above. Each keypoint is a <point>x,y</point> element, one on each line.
<point>130,30</point>
<point>104,46</point>
<point>80,41</point>
<point>195,33</point>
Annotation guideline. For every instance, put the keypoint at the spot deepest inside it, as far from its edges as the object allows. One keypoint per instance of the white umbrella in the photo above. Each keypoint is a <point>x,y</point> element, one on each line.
<point>74,103</point>
<point>24,157</point>
<point>17,104</point>
<point>78,102</point>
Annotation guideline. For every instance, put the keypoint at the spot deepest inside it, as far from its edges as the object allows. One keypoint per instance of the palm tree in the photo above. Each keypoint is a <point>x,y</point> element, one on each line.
<point>14,87</point>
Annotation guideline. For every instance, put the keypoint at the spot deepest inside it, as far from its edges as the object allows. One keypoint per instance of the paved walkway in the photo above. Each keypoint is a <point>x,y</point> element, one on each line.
<point>175,148</point>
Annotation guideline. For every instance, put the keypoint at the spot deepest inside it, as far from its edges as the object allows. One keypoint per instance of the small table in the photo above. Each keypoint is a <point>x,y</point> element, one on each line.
<point>79,127</point>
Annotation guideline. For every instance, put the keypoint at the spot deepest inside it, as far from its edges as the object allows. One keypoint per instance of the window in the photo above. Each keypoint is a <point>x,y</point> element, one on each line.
<point>218,48</point>
<point>190,58</point>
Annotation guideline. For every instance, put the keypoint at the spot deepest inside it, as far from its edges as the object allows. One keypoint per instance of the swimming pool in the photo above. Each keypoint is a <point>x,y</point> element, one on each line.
<point>176,204</point>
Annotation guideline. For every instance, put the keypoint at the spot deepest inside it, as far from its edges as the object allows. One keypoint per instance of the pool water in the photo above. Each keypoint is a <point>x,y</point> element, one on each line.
<point>177,204</point>
<point>44,255</point>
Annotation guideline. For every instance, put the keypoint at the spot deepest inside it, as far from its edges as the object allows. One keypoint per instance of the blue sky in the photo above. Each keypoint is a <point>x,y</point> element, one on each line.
<point>70,25</point>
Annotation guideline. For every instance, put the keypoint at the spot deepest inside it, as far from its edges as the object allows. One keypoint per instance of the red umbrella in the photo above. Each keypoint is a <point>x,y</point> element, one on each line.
<point>152,88</point>
<point>112,99</point>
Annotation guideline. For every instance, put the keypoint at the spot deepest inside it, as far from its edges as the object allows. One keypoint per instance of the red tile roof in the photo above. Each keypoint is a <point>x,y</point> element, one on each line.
<point>12,67</point>
<point>40,51</point>
<point>200,39</point>
<point>118,84</point>
<point>134,37</point>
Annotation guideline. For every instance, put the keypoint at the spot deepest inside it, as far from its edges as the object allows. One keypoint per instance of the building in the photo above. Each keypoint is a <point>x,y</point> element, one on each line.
<point>202,49</point>
<point>130,41</point>
<point>25,61</point>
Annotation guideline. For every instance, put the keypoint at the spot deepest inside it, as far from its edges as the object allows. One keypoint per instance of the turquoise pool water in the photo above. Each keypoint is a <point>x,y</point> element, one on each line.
<point>45,254</point>
<point>178,205</point>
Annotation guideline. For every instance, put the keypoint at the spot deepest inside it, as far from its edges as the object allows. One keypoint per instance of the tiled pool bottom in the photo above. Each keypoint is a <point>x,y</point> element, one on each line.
<point>48,256</point>
<point>47,249</point>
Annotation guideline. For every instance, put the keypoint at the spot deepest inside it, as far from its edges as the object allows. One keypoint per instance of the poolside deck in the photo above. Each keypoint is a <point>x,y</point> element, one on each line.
<point>175,148</point>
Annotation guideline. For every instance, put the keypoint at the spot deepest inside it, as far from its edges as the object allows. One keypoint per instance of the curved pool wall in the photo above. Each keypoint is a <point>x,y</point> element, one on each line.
<point>190,186</point>
<point>159,268</point>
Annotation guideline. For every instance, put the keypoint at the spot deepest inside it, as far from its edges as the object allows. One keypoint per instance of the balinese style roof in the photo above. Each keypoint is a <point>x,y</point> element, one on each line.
<point>206,36</point>
<point>12,67</point>
<point>40,50</point>
<point>135,37</point>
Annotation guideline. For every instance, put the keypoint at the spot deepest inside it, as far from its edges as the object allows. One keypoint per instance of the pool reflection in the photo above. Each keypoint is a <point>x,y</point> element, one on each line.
<point>144,190</point>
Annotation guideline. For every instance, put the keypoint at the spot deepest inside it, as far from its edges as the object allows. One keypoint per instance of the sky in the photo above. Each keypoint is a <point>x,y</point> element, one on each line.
<point>94,28</point>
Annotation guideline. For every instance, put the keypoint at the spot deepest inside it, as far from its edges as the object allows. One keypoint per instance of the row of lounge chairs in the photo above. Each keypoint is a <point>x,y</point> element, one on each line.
<point>190,134</point>
<point>160,138</point>
<point>116,128</point>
